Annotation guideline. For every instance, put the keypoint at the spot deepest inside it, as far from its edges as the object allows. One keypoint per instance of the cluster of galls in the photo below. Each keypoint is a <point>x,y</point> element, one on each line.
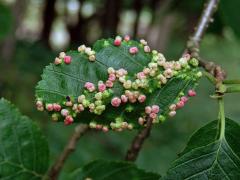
<point>95,98</point>
<point>88,51</point>
<point>62,58</point>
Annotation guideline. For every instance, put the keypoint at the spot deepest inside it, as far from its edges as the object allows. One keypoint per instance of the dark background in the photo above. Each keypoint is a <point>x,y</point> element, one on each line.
<point>32,32</point>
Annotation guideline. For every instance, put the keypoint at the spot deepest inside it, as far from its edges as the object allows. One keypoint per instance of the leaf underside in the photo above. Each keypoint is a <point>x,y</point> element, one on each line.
<point>107,170</point>
<point>60,81</point>
<point>23,149</point>
<point>207,156</point>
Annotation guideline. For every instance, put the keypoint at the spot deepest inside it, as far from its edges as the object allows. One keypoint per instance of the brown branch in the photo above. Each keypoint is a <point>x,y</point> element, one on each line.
<point>138,141</point>
<point>194,41</point>
<point>69,148</point>
<point>192,48</point>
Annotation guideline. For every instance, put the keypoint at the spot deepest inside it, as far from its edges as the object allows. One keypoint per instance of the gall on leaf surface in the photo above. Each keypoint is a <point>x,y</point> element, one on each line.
<point>128,81</point>
<point>209,156</point>
<point>24,151</point>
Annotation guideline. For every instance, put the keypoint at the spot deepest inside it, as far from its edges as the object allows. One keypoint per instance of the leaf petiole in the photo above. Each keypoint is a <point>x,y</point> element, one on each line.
<point>233,89</point>
<point>221,117</point>
<point>231,81</point>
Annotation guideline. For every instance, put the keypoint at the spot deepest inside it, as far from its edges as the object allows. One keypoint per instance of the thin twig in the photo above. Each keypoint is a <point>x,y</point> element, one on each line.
<point>194,41</point>
<point>69,148</point>
<point>138,141</point>
<point>204,21</point>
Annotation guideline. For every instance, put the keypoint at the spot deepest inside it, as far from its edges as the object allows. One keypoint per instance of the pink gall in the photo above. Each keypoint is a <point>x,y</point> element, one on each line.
<point>143,42</point>
<point>180,104</point>
<point>57,61</point>
<point>67,59</point>
<point>112,77</point>
<point>132,98</point>
<point>146,49</point>
<point>148,110</point>
<point>121,72</point>
<point>133,50</point>
<point>109,83</point>
<point>146,71</point>
<point>153,115</point>
<point>101,87</point>
<point>105,129</point>
<point>49,107</point>
<point>69,103</point>
<point>184,99</point>
<point>56,107</point>
<point>168,73</point>
<point>155,109</point>
<point>187,56</point>
<point>191,93</point>
<point>64,112</point>
<point>126,38</point>
<point>142,98</point>
<point>99,126</point>
<point>141,75</point>
<point>117,42</point>
<point>89,86</point>
<point>116,101</point>
<point>68,120</point>
<point>124,98</point>
<point>80,107</point>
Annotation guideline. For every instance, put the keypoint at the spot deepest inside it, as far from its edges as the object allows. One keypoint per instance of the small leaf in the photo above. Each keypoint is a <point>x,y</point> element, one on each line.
<point>66,81</point>
<point>23,149</point>
<point>109,170</point>
<point>209,156</point>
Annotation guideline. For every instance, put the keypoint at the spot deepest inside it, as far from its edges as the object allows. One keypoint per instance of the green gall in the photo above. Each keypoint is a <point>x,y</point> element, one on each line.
<point>194,62</point>
<point>199,74</point>
<point>101,108</point>
<point>105,94</point>
<point>154,52</point>
<point>162,118</point>
<point>55,117</point>
<point>98,96</point>
<point>92,124</point>
<point>98,103</point>
<point>106,43</point>
<point>119,119</point>
<point>85,103</point>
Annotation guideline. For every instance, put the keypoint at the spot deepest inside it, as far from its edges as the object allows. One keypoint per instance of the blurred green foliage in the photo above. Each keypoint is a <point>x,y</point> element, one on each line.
<point>6,21</point>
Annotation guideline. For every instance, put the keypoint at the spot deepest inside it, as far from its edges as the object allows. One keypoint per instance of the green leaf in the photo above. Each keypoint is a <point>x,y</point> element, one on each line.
<point>229,11</point>
<point>209,155</point>
<point>64,80</point>
<point>108,170</point>
<point>6,20</point>
<point>23,149</point>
